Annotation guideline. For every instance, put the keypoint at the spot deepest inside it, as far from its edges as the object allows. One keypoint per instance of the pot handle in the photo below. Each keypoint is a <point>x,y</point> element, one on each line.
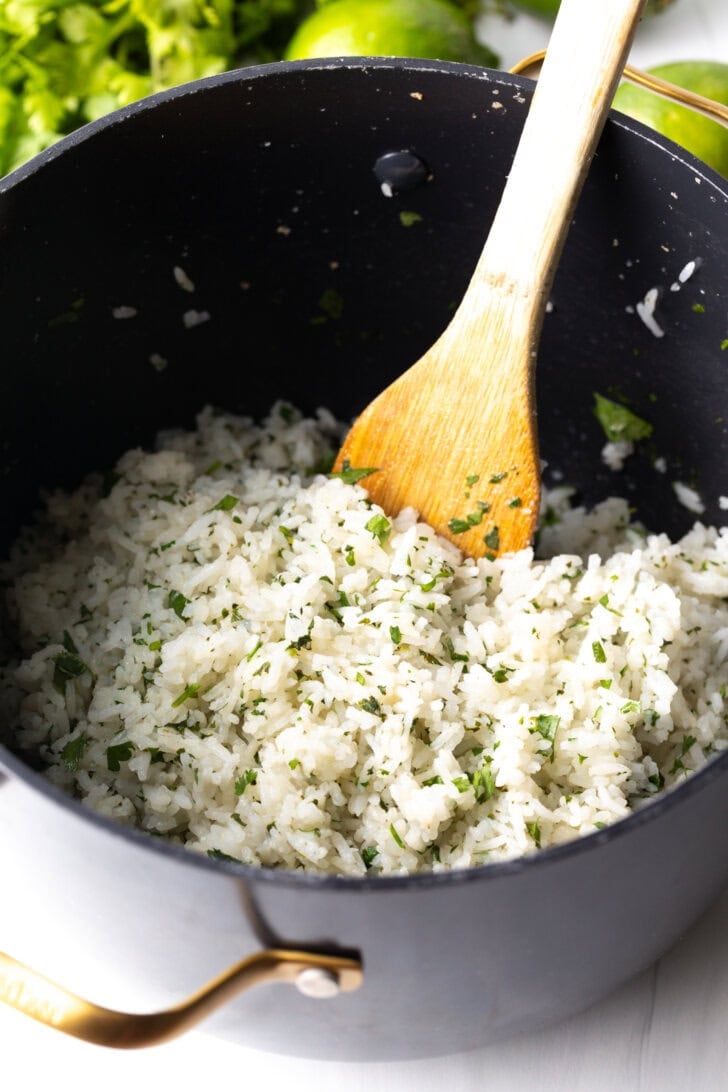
<point>716,111</point>
<point>316,975</point>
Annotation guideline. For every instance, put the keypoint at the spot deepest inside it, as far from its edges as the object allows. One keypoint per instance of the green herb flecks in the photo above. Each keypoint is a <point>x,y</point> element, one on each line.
<point>190,691</point>
<point>618,422</point>
<point>350,475</point>
<point>407,217</point>
<point>598,652</point>
<point>546,725</point>
<point>492,539</point>
<point>379,526</point>
<point>177,601</point>
<point>534,830</point>
<point>73,751</point>
<point>250,777</point>
<point>226,503</point>
<point>483,783</point>
<point>472,519</point>
<point>118,753</point>
<point>370,705</point>
<point>456,657</point>
<point>368,855</point>
<point>393,831</point>
<point>331,303</point>
<point>68,665</point>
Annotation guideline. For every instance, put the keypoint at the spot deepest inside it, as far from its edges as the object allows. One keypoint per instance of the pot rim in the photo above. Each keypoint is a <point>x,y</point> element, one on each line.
<point>364,64</point>
<point>650,812</point>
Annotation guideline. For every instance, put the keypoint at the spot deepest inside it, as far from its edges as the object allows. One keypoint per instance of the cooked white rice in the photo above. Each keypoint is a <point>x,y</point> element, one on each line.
<point>246,657</point>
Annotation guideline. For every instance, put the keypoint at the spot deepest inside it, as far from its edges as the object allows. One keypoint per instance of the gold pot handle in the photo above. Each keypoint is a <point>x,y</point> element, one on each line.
<point>716,111</point>
<point>314,974</point>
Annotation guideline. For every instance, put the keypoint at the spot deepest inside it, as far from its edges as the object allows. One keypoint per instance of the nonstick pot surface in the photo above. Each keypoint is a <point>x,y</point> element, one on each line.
<point>315,286</point>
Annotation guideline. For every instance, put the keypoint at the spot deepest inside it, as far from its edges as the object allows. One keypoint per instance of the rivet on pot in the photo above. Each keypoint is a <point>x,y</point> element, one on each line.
<point>318,983</point>
<point>398,172</point>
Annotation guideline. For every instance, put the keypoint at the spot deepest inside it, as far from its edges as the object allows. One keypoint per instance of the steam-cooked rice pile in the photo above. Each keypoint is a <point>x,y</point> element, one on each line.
<point>250,658</point>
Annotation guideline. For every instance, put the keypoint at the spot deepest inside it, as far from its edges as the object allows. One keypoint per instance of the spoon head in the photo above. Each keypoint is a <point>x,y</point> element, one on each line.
<point>456,440</point>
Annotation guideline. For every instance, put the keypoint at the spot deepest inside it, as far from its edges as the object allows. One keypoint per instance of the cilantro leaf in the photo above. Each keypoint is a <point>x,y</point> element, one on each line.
<point>618,422</point>
<point>350,475</point>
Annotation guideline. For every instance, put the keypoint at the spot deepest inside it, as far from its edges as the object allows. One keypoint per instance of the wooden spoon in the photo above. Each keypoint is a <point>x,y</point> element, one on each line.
<point>455,436</point>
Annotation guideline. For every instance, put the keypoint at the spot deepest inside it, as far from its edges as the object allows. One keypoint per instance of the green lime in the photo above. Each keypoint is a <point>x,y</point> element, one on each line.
<point>550,7</point>
<point>389,28</point>
<point>706,139</point>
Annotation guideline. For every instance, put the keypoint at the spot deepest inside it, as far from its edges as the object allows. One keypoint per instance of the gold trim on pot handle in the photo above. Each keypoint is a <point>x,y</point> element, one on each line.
<point>316,975</point>
<point>716,111</point>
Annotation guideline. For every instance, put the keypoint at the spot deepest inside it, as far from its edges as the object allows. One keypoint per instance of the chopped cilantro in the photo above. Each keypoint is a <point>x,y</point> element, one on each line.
<point>177,601</point>
<point>68,665</point>
<point>492,539</point>
<point>396,836</point>
<point>379,526</point>
<point>218,855</point>
<point>618,422</point>
<point>534,829</point>
<point>226,503</point>
<point>407,218</point>
<point>188,692</point>
<point>250,777</point>
<point>331,303</point>
<point>350,475</point>
<point>483,783</point>
<point>546,725</point>
<point>396,634</point>
<point>458,526</point>
<point>598,652</point>
<point>370,705</point>
<point>72,753</point>
<point>500,675</point>
<point>118,753</point>
<point>368,854</point>
<point>456,657</point>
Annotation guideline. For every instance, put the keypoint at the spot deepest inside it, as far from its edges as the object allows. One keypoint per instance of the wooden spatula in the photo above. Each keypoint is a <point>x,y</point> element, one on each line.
<point>455,435</point>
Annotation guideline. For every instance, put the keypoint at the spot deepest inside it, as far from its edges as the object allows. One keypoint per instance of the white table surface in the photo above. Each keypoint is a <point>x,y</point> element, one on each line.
<point>666,1030</point>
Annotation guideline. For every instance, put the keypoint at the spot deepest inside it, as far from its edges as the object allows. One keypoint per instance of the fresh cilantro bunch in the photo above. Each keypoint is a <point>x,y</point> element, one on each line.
<point>64,62</point>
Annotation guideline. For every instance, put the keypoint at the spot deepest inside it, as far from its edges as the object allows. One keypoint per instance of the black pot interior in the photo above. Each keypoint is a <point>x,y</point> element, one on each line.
<point>320,289</point>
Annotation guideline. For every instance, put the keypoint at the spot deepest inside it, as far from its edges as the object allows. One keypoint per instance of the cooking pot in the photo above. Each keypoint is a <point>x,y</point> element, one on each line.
<point>328,215</point>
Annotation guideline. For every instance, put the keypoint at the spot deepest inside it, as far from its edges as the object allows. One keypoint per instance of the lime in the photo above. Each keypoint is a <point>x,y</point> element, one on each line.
<point>550,7</point>
<point>389,28</point>
<point>706,139</point>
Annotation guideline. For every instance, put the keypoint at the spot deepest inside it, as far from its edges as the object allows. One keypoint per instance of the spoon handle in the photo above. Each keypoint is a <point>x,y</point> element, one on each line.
<point>586,54</point>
